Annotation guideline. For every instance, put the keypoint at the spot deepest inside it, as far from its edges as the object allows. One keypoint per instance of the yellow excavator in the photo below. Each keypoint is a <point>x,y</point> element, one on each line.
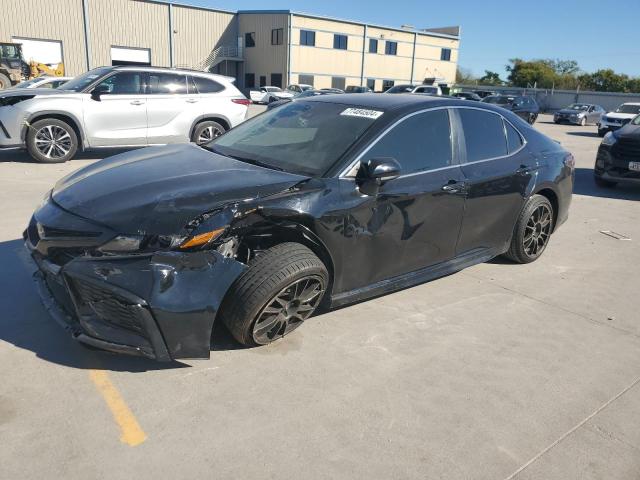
<point>39,69</point>
<point>14,69</point>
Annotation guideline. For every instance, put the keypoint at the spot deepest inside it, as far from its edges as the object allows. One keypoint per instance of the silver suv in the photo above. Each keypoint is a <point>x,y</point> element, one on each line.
<point>120,107</point>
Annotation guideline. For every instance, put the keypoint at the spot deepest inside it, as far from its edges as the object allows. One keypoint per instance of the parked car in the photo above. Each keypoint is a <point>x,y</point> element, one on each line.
<point>323,201</point>
<point>467,96</point>
<point>428,89</point>
<point>119,107</point>
<point>331,90</point>
<point>269,94</point>
<point>622,115</point>
<point>401,88</point>
<point>525,107</point>
<point>618,159</point>
<point>299,88</point>
<point>357,89</point>
<point>305,94</point>
<point>43,82</point>
<point>485,93</point>
<point>579,114</point>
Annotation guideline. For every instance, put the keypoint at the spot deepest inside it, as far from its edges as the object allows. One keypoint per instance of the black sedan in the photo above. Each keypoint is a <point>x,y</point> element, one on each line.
<point>323,201</point>
<point>525,107</point>
<point>618,159</point>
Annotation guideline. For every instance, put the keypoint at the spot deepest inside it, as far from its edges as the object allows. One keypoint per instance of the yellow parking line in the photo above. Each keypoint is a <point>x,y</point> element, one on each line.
<point>131,433</point>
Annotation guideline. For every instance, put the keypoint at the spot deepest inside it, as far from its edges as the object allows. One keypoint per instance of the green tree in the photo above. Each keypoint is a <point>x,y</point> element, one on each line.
<point>464,76</point>
<point>529,73</point>
<point>491,78</point>
<point>609,81</point>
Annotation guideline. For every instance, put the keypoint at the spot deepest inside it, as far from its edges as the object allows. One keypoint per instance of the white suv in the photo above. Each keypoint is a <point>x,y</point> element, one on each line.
<point>119,107</point>
<point>618,118</point>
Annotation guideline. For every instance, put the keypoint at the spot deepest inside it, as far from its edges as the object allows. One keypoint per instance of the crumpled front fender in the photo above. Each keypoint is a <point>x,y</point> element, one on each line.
<point>182,290</point>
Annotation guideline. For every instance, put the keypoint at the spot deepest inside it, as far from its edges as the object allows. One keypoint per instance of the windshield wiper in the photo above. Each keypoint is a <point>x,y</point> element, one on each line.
<point>252,161</point>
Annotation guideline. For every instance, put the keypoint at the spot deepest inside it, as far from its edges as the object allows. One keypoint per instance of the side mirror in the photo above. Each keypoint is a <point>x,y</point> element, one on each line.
<point>98,91</point>
<point>376,172</point>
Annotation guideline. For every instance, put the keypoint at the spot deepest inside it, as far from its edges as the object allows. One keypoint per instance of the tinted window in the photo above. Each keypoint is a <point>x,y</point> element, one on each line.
<point>371,83</point>
<point>338,82</point>
<point>306,79</point>
<point>263,80</point>
<point>483,133</point>
<point>166,83</point>
<point>391,48</point>
<point>373,45</point>
<point>340,42</point>
<point>276,80</point>
<point>421,142</point>
<point>387,84</point>
<point>307,37</point>
<point>124,83</point>
<point>250,39</point>
<point>514,140</point>
<point>249,80</point>
<point>445,54</point>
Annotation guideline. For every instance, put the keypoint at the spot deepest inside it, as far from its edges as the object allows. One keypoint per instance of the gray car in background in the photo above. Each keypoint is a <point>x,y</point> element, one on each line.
<point>579,114</point>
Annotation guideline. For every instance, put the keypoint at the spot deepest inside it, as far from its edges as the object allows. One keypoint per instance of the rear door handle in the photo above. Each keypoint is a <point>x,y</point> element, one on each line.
<point>191,100</point>
<point>524,170</point>
<point>137,102</point>
<point>454,187</point>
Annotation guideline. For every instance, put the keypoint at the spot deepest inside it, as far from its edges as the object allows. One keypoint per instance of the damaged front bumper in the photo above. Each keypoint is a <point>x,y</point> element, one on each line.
<point>160,306</point>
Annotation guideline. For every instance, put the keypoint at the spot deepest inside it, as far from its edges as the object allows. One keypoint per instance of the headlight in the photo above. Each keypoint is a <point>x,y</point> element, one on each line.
<point>122,243</point>
<point>609,139</point>
<point>141,243</point>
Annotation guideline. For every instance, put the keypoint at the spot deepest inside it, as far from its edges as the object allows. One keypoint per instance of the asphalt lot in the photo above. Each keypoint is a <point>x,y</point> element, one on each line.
<point>500,371</point>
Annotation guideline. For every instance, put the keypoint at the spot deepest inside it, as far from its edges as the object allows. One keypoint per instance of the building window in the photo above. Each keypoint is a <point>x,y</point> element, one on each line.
<point>373,45</point>
<point>263,80</point>
<point>338,82</point>
<point>250,39</point>
<point>307,37</point>
<point>387,84</point>
<point>249,80</point>
<point>276,80</point>
<point>305,79</point>
<point>340,42</point>
<point>371,83</point>
<point>445,54</point>
<point>391,48</point>
<point>276,36</point>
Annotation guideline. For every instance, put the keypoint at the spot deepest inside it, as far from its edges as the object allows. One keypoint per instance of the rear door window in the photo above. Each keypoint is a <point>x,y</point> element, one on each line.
<point>167,83</point>
<point>207,85</point>
<point>124,83</point>
<point>483,133</point>
<point>422,142</point>
<point>514,140</point>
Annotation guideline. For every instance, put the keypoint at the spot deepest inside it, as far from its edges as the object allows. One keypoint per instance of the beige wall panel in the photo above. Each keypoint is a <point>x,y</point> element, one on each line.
<point>328,61</point>
<point>325,40</point>
<point>128,23</point>
<point>392,35</point>
<point>199,32</point>
<point>387,67</point>
<point>59,20</point>
<point>427,68</point>
<point>264,58</point>
<point>307,23</point>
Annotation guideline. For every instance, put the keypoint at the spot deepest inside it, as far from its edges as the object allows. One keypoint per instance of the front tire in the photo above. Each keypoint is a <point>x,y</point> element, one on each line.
<point>51,141</point>
<point>5,82</point>
<point>281,289</point>
<point>532,231</point>
<point>206,131</point>
<point>583,122</point>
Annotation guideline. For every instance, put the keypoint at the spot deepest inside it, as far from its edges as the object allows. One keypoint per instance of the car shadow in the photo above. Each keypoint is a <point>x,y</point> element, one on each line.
<point>583,134</point>
<point>21,156</point>
<point>584,185</point>
<point>27,325</point>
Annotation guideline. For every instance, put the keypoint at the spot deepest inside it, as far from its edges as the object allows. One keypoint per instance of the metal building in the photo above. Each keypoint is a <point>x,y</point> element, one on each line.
<point>270,47</point>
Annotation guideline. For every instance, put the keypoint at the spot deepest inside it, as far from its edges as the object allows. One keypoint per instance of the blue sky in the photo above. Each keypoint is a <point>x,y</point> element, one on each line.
<point>597,34</point>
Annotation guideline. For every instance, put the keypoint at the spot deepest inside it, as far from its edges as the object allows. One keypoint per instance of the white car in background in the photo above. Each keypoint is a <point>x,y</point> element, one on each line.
<point>43,82</point>
<point>428,89</point>
<point>618,118</point>
<point>123,106</point>
<point>296,88</point>
<point>269,94</point>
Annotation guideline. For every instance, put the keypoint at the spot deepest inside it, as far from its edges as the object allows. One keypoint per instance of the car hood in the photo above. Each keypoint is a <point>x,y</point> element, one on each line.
<point>40,92</point>
<point>631,132</point>
<point>621,115</point>
<point>158,190</point>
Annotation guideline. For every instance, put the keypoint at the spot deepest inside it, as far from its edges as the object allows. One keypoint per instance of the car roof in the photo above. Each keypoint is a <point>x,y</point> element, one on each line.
<point>147,68</point>
<point>631,103</point>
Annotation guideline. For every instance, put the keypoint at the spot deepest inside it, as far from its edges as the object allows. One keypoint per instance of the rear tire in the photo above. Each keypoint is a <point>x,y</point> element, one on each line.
<point>532,231</point>
<point>206,131</point>
<point>51,141</point>
<point>5,82</point>
<point>601,182</point>
<point>261,306</point>
<point>583,122</point>
<point>602,132</point>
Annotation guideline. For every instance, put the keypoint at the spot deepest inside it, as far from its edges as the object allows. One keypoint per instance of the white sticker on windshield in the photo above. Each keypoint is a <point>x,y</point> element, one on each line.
<point>361,112</point>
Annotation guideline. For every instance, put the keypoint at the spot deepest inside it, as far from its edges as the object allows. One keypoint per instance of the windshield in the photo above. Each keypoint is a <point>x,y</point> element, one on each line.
<point>400,89</point>
<point>499,100</point>
<point>636,121</point>
<point>28,83</point>
<point>303,137</point>
<point>272,89</point>
<point>83,81</point>
<point>305,87</point>
<point>11,52</point>
<point>578,106</point>
<point>628,108</point>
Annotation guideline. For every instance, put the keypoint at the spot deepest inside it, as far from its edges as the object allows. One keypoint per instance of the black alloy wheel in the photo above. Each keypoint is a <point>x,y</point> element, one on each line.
<point>532,230</point>
<point>287,310</point>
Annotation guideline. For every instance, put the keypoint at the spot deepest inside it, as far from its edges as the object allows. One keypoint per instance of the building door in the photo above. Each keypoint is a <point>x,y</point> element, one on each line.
<point>130,56</point>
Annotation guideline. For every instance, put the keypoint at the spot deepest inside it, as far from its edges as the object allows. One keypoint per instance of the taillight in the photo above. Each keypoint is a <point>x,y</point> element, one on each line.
<point>569,161</point>
<point>241,101</point>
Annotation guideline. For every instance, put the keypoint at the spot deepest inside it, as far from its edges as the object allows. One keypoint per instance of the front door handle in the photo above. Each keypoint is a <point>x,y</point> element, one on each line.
<point>137,102</point>
<point>191,100</point>
<point>454,187</point>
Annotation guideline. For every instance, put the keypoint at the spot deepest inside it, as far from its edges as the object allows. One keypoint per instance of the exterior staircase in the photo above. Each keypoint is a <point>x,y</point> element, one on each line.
<point>218,55</point>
